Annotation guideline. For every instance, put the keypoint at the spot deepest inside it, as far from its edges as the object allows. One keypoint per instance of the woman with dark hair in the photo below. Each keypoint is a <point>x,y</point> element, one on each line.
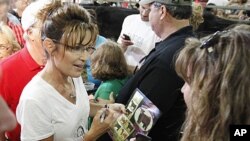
<point>54,105</point>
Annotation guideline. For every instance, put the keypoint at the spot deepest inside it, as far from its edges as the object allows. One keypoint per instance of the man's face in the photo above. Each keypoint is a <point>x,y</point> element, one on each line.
<point>4,7</point>
<point>154,18</point>
<point>144,12</point>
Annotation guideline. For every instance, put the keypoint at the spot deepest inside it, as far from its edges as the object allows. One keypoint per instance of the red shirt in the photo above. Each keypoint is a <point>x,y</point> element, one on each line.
<point>17,71</point>
<point>18,31</point>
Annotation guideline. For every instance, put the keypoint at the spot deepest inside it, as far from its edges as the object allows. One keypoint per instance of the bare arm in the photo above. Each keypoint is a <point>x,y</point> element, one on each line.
<point>7,118</point>
<point>100,103</point>
<point>2,136</point>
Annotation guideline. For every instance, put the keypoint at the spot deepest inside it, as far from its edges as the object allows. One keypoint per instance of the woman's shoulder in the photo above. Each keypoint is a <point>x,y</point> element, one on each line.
<point>37,88</point>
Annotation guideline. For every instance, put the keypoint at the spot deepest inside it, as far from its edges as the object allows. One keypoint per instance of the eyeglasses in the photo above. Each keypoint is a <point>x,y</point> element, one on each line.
<point>143,9</point>
<point>4,47</point>
<point>78,48</point>
<point>157,4</point>
<point>212,40</point>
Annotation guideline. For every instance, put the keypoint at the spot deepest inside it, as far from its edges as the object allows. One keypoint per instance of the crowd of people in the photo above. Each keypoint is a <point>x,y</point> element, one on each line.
<point>231,9</point>
<point>49,48</point>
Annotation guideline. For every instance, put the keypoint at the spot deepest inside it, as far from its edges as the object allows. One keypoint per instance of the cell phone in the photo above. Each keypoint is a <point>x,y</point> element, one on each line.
<point>126,37</point>
<point>142,137</point>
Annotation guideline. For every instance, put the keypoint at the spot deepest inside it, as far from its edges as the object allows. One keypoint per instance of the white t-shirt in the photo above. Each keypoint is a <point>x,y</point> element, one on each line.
<point>43,112</point>
<point>218,2</point>
<point>141,34</point>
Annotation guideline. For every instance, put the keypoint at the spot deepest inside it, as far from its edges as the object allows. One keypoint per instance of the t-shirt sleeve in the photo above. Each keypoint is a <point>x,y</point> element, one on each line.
<point>35,120</point>
<point>105,89</point>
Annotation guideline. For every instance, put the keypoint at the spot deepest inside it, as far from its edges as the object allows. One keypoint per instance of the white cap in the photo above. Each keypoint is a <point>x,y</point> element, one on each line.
<point>30,12</point>
<point>218,2</point>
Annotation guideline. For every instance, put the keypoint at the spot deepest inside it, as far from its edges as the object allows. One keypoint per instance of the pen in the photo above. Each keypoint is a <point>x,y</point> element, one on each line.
<point>103,115</point>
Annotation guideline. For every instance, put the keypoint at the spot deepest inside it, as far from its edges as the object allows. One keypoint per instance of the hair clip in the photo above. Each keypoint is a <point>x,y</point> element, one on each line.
<point>212,40</point>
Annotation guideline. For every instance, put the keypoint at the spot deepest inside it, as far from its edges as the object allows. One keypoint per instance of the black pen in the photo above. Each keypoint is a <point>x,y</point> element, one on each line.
<point>103,115</point>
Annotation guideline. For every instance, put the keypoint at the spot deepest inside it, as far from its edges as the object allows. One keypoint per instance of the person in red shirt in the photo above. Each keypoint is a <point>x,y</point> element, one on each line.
<point>17,29</point>
<point>19,68</point>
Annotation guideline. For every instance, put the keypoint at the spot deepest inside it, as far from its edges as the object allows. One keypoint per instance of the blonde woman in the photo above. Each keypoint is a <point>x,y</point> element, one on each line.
<point>216,71</point>
<point>8,42</point>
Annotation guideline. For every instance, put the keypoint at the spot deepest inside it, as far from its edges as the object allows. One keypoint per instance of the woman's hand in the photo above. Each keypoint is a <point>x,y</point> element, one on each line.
<point>102,121</point>
<point>120,108</point>
<point>104,101</point>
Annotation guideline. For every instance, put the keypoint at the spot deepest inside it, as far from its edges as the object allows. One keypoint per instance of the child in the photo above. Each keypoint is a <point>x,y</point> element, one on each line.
<point>109,66</point>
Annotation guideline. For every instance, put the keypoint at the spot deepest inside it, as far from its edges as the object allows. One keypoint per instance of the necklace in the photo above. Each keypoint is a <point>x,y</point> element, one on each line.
<point>73,93</point>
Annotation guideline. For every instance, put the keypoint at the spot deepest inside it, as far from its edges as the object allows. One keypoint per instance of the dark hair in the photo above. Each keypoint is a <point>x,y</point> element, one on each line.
<point>93,15</point>
<point>244,1</point>
<point>68,23</point>
<point>108,62</point>
<point>179,11</point>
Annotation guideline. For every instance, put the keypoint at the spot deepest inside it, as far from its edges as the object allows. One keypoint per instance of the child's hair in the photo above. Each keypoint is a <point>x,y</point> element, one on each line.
<point>7,33</point>
<point>108,62</point>
<point>68,23</point>
<point>219,81</point>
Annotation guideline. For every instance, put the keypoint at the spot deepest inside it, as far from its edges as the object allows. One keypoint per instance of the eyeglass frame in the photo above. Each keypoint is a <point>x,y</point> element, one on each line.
<point>146,10</point>
<point>89,49</point>
<point>5,47</point>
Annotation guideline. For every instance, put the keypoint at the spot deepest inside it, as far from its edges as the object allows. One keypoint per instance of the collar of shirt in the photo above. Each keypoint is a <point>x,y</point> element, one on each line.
<point>29,61</point>
<point>183,31</point>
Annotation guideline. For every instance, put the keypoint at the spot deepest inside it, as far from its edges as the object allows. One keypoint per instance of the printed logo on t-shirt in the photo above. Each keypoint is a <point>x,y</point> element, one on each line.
<point>80,131</point>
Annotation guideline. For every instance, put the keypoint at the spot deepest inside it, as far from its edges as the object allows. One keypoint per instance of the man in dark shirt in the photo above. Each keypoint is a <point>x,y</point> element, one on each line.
<point>157,78</point>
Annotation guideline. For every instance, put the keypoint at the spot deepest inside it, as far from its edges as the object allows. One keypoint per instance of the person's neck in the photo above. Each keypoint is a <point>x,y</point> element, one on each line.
<point>174,26</point>
<point>53,76</point>
<point>37,53</point>
<point>19,12</point>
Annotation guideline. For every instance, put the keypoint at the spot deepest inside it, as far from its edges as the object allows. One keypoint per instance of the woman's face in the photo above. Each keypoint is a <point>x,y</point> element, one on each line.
<point>69,62</point>
<point>186,92</point>
<point>6,48</point>
<point>186,89</point>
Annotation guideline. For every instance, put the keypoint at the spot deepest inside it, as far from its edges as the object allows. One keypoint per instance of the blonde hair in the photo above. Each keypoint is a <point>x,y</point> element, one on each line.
<point>108,62</point>
<point>197,15</point>
<point>6,32</point>
<point>219,82</point>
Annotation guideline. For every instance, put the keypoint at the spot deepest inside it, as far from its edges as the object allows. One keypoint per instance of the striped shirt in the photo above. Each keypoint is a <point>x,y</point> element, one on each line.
<point>18,31</point>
